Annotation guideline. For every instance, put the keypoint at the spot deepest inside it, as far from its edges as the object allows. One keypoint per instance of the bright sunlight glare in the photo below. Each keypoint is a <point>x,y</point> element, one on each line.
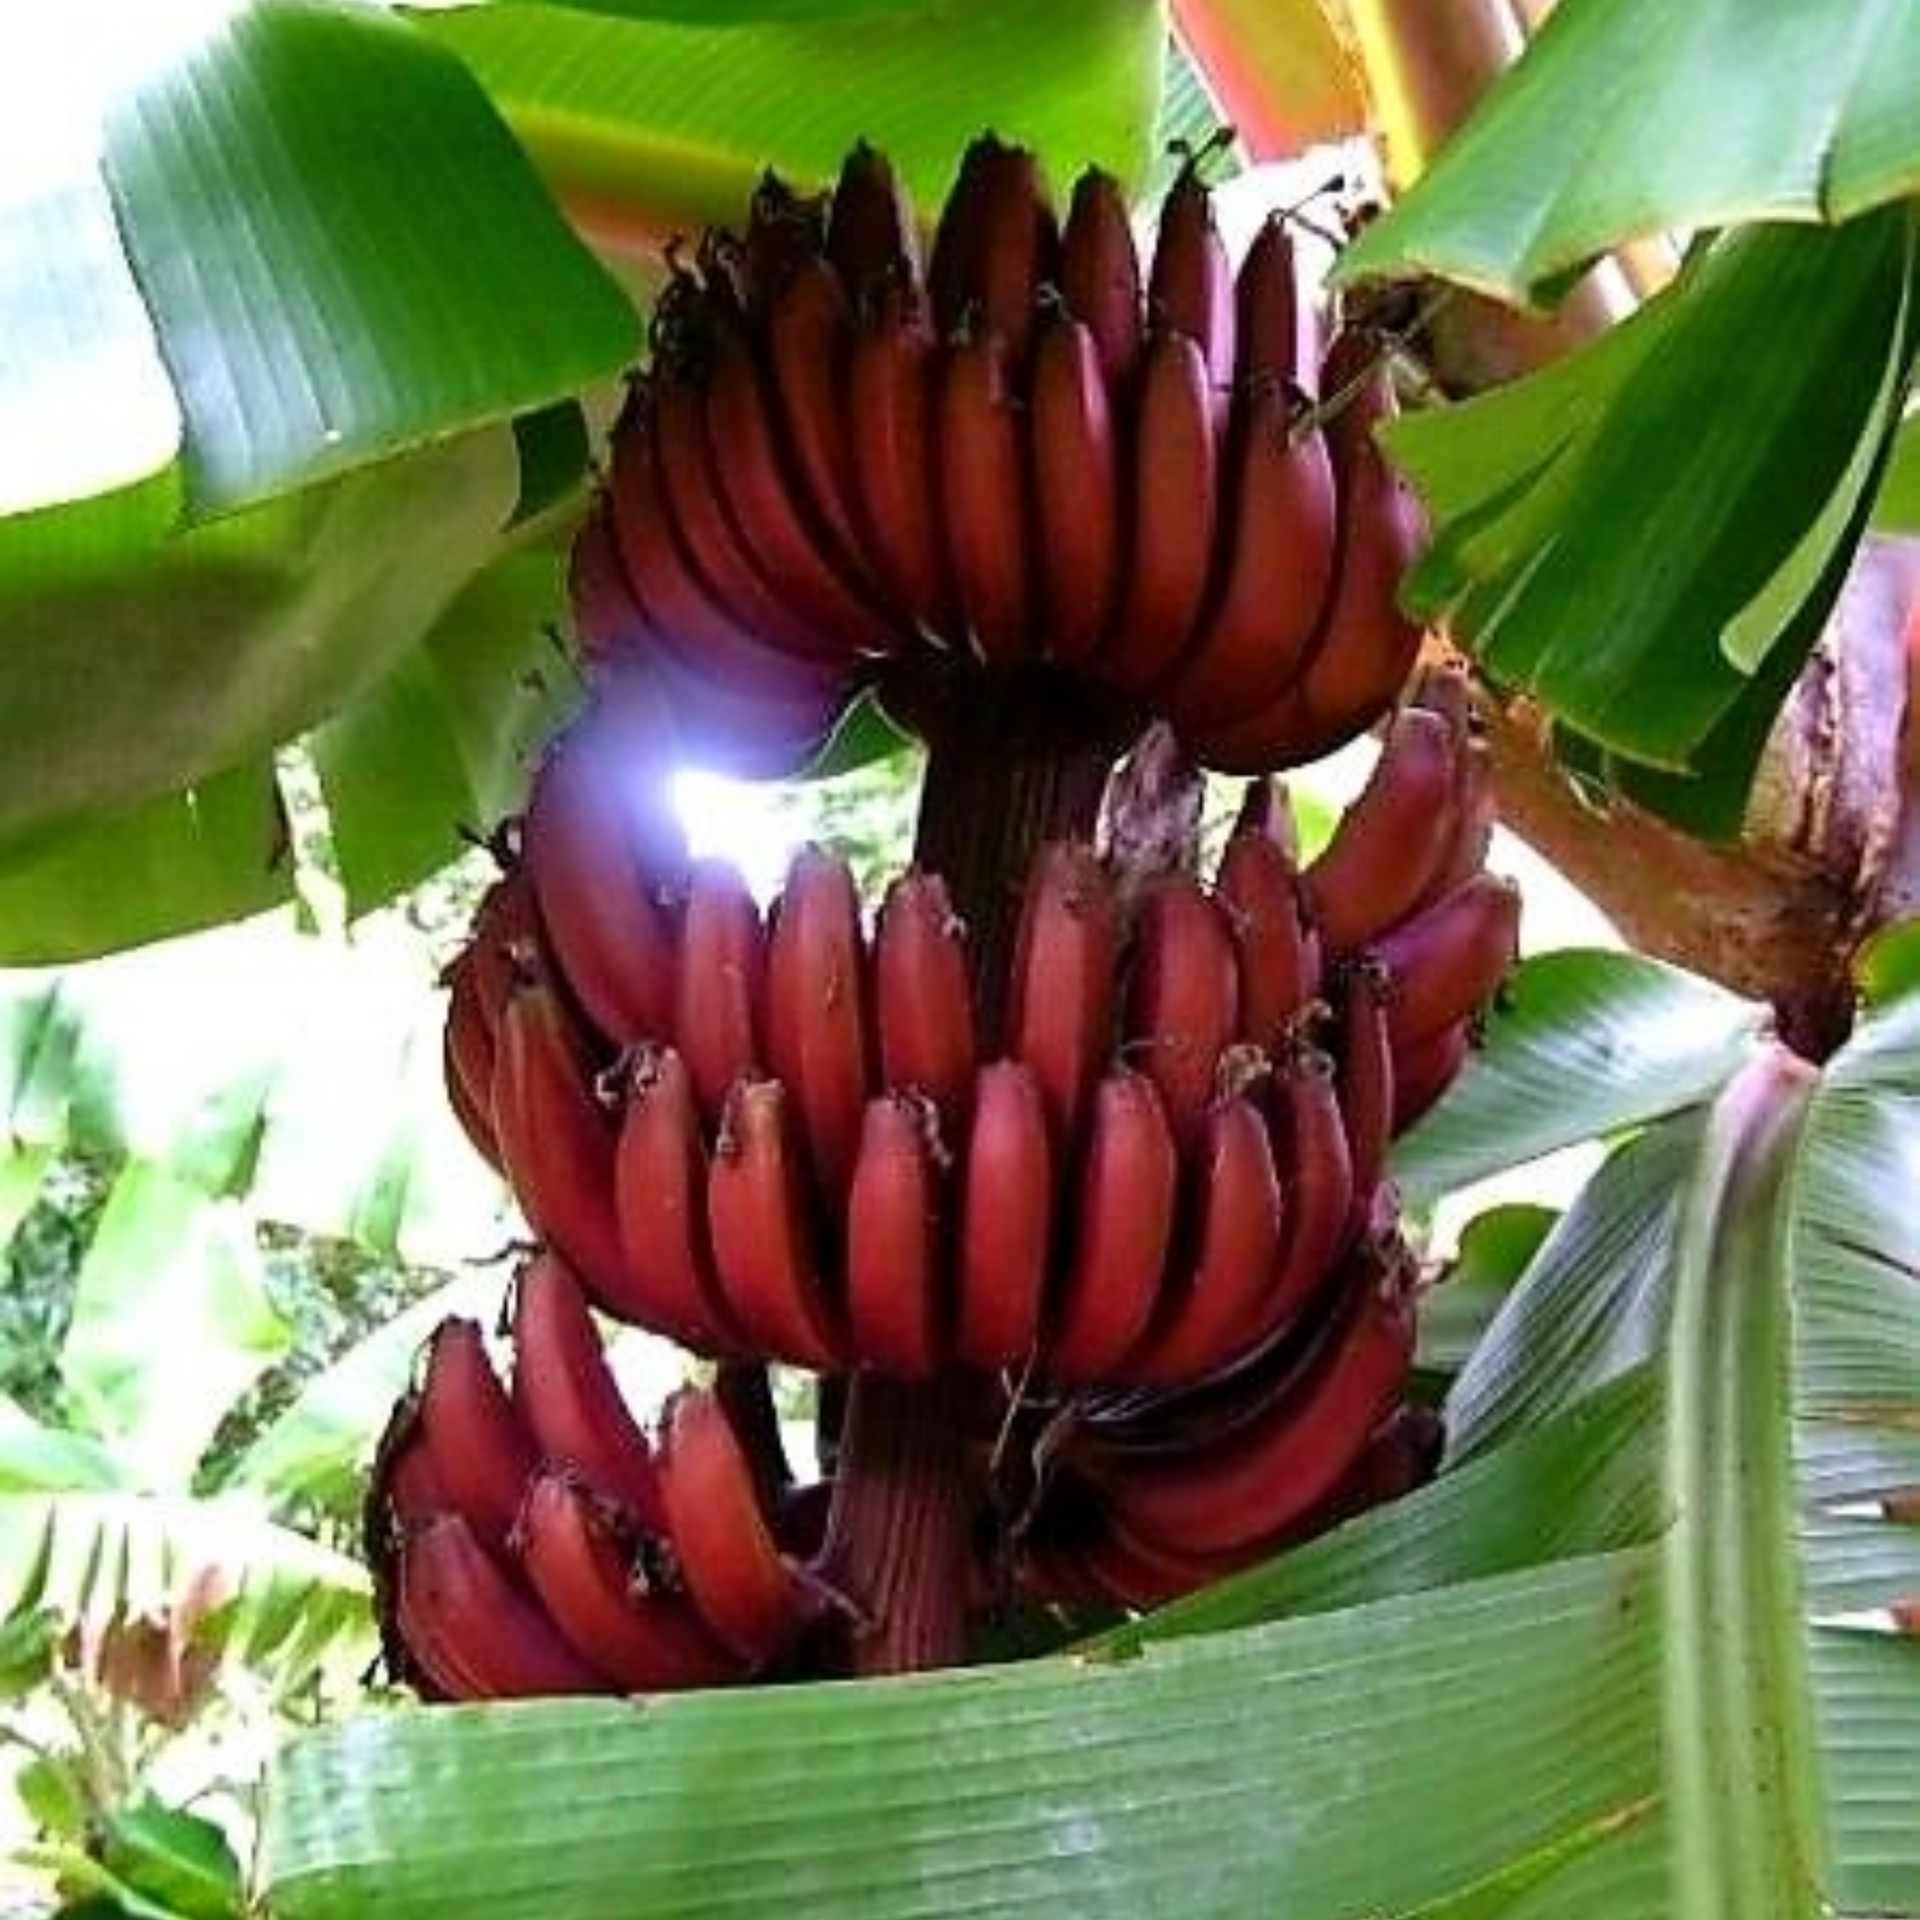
<point>747,822</point>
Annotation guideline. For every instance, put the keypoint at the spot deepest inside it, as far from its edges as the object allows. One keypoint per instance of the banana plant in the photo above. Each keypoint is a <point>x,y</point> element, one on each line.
<point>361,284</point>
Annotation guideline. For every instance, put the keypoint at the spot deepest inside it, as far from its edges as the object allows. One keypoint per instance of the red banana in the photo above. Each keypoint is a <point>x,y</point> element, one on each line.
<point>983,496</point>
<point>750,468</point>
<point>1365,1080</point>
<point>996,245</point>
<point>761,638</point>
<point>1100,273</point>
<point>590,863</point>
<point>1076,489</point>
<point>660,1201</point>
<point>1315,1166</point>
<point>688,620</point>
<point>1182,997</point>
<point>1060,992</point>
<point>1277,1466</point>
<point>809,345</point>
<point>818,1021</point>
<point>557,1140</point>
<point>1391,842</point>
<point>895,1286</point>
<point>923,1000</point>
<point>480,1453</point>
<point>1277,329</point>
<point>719,982</point>
<point>1005,1233</point>
<point>475,1633</point>
<point>1263,614</point>
<point>1122,1232</point>
<point>582,1564</point>
<point>762,1235</point>
<point>1190,290</point>
<point>565,1391</point>
<point>1448,961</point>
<point>870,228</point>
<point>1365,647</point>
<point>1211,1314</point>
<point>1276,949</point>
<point>892,393</point>
<point>1171,517</point>
<point>741,1584</point>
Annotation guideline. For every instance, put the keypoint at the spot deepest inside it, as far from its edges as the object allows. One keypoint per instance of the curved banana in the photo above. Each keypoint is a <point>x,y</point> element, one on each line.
<point>740,1583</point>
<point>481,1454</point>
<point>758,637</point>
<point>762,1234</point>
<point>752,476</point>
<point>660,1201</point>
<point>983,496</point>
<point>871,236</point>
<point>565,1391</point>
<point>809,346</point>
<point>1190,289</point>
<point>1076,489</point>
<point>1277,329</point>
<point>1100,273</point>
<point>893,387</point>
<point>1004,1238</point>
<point>719,982</point>
<point>895,1289</point>
<point>1316,1183</point>
<point>558,1140</point>
<point>1123,1221</point>
<point>818,1019</point>
<point>473,1630</point>
<point>1183,997</point>
<point>1276,949</point>
<point>1171,515</point>
<point>996,245</point>
<point>1392,841</point>
<point>1211,1314</point>
<point>1449,960</point>
<point>1264,614</point>
<point>597,884</point>
<point>1060,988</point>
<point>584,1566</point>
<point>923,999</point>
<point>1269,1471</point>
<point>1366,1080</point>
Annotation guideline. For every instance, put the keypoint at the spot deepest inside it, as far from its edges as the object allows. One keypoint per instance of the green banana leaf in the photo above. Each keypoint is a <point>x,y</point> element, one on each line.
<point>1705,115</point>
<point>1751,452</point>
<point>1610,1664</point>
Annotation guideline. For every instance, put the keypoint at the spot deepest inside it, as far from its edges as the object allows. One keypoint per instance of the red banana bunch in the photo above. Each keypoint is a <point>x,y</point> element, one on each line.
<point>784,1136</point>
<point>1136,489</point>
<point>538,1541</point>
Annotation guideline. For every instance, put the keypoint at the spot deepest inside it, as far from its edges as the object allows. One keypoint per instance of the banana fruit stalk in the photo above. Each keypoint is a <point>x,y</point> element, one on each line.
<point>1136,489</point>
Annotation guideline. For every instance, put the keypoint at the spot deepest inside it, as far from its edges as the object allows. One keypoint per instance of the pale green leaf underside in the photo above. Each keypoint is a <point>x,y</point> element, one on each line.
<point>1203,1777</point>
<point>1580,1044</point>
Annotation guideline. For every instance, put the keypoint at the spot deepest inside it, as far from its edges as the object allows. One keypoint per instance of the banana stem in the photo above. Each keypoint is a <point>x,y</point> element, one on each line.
<point>1003,776</point>
<point>1005,773</point>
<point>899,1535</point>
